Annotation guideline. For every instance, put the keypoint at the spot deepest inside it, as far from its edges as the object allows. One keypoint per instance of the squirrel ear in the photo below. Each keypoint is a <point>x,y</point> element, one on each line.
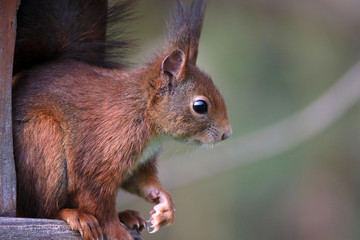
<point>174,64</point>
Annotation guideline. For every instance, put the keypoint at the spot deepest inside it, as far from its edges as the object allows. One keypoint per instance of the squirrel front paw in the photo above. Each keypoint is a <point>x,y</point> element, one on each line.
<point>163,212</point>
<point>132,219</point>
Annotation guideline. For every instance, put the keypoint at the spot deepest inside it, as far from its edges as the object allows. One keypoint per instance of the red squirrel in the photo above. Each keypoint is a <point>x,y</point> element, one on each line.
<point>86,124</point>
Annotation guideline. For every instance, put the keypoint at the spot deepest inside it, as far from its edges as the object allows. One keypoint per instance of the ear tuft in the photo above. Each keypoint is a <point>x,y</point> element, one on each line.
<point>184,27</point>
<point>174,64</point>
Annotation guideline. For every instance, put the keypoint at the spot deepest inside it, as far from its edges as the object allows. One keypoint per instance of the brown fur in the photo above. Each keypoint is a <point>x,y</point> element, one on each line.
<point>81,130</point>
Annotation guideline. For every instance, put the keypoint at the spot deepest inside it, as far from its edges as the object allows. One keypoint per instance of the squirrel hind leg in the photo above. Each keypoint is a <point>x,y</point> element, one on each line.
<point>40,167</point>
<point>85,223</point>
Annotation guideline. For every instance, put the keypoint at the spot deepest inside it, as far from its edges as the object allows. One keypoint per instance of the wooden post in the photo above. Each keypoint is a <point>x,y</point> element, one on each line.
<point>7,167</point>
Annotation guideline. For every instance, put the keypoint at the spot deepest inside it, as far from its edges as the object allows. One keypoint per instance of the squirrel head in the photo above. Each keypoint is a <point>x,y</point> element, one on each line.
<point>185,104</point>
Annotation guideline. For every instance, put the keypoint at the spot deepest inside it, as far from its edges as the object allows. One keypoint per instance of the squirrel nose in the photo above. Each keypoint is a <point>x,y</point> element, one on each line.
<point>227,133</point>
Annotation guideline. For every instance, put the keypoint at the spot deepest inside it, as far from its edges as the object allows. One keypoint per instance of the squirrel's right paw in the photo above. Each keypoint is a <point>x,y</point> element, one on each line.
<point>85,223</point>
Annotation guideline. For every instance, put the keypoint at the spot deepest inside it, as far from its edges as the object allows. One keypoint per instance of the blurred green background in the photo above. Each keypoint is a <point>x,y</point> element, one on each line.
<point>270,59</point>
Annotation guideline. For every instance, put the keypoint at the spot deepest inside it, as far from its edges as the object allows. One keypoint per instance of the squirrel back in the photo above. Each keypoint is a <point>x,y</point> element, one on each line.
<point>77,29</point>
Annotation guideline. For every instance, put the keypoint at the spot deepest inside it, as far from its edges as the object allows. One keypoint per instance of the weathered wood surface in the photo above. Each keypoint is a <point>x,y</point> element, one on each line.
<point>40,229</point>
<point>23,228</point>
<point>7,169</point>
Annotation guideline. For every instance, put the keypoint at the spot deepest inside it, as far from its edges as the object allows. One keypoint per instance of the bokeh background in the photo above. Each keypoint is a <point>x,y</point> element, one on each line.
<point>271,59</point>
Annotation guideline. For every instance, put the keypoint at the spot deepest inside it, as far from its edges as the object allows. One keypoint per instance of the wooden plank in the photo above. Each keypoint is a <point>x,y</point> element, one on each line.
<point>7,168</point>
<point>40,229</point>
<point>24,228</point>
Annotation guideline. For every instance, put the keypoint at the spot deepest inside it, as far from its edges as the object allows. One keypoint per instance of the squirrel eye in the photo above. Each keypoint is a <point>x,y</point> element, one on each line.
<point>200,106</point>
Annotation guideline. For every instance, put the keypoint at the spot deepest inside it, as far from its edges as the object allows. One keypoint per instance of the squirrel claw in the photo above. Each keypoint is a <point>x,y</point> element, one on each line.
<point>156,228</point>
<point>81,233</point>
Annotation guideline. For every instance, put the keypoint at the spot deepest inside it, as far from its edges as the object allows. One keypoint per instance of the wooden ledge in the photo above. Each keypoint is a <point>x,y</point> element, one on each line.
<point>30,228</point>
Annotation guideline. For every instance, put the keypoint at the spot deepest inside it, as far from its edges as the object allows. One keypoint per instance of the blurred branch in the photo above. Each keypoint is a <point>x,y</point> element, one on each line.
<point>270,141</point>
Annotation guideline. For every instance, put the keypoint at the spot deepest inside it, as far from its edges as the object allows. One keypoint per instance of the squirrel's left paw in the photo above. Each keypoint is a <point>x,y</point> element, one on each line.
<point>162,213</point>
<point>132,219</point>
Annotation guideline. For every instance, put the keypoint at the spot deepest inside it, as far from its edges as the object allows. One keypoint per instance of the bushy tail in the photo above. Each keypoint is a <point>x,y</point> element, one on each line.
<point>78,29</point>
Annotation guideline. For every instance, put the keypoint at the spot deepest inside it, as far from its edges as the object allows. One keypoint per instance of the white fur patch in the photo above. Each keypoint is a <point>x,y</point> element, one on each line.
<point>151,149</point>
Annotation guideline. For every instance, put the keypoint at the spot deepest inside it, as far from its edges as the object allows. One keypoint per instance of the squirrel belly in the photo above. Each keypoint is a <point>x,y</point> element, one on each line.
<point>84,128</point>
